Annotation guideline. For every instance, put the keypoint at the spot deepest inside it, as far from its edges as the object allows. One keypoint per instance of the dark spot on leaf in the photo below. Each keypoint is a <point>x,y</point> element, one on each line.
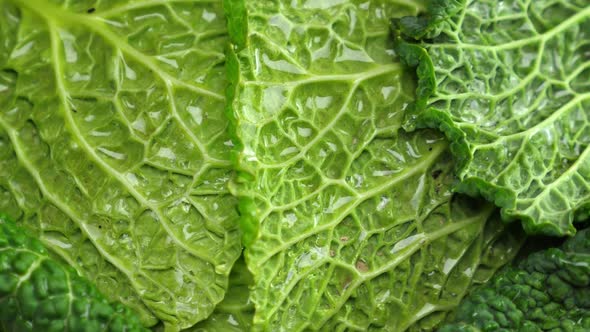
<point>74,110</point>
<point>437,188</point>
<point>436,174</point>
<point>362,266</point>
<point>91,10</point>
<point>99,226</point>
<point>430,148</point>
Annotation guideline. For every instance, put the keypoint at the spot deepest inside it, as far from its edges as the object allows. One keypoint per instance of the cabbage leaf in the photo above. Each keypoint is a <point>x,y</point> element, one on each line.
<point>349,222</point>
<point>508,82</point>
<point>113,147</point>
<point>37,293</point>
<point>235,312</point>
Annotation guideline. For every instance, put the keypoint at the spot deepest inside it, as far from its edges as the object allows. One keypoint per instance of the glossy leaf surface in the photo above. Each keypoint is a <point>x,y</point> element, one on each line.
<point>350,223</point>
<point>113,146</point>
<point>508,82</point>
<point>235,312</point>
<point>38,293</point>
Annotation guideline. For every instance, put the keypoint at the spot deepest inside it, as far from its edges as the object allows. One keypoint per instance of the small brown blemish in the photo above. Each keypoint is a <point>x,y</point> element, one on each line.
<point>344,238</point>
<point>362,266</point>
<point>332,253</point>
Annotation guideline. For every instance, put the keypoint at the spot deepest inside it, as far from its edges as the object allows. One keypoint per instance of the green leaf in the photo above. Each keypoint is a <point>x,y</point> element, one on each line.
<point>113,146</point>
<point>547,291</point>
<point>235,312</point>
<point>350,223</point>
<point>38,293</point>
<point>507,82</point>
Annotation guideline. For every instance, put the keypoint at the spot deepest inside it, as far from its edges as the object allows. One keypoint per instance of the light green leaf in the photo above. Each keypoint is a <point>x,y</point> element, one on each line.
<point>113,146</point>
<point>235,312</point>
<point>350,223</point>
<point>508,82</point>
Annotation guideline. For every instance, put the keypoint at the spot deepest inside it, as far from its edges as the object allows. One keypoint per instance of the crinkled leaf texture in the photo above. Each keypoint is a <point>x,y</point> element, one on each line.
<point>548,291</point>
<point>38,293</point>
<point>235,312</point>
<point>113,146</point>
<point>508,82</point>
<point>350,223</point>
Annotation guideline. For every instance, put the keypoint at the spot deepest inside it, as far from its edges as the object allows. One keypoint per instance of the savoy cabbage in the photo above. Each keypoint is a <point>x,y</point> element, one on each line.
<point>38,293</point>
<point>508,82</point>
<point>113,147</point>
<point>547,291</point>
<point>143,142</point>
<point>349,222</point>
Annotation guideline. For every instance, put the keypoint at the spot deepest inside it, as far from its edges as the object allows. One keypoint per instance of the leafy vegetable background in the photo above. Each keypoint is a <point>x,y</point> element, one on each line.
<point>548,290</point>
<point>508,82</point>
<point>235,312</point>
<point>358,227</point>
<point>247,165</point>
<point>114,149</point>
<point>40,291</point>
